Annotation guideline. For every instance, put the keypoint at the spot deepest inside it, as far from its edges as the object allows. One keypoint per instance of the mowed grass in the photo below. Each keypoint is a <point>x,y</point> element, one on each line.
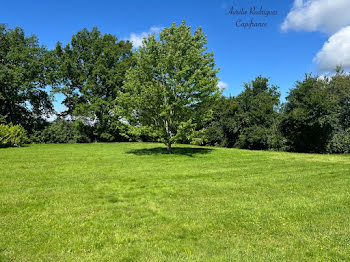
<point>133,202</point>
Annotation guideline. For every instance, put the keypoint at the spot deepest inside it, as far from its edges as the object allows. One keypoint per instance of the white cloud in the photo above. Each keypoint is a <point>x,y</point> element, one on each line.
<point>137,39</point>
<point>327,16</point>
<point>222,85</point>
<point>336,51</point>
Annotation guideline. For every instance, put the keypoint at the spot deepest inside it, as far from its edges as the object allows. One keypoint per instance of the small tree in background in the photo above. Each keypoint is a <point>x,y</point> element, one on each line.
<point>173,86</point>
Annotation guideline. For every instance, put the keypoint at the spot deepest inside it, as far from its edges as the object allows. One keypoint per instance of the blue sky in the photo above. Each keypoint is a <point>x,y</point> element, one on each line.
<point>240,53</point>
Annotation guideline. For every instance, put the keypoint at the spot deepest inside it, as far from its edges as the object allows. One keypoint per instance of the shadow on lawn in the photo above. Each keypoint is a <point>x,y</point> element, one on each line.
<point>186,151</point>
<point>8,147</point>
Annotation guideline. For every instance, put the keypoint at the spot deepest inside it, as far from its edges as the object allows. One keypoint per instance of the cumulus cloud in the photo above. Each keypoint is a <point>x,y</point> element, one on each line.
<point>222,85</point>
<point>327,16</point>
<point>336,51</point>
<point>137,39</point>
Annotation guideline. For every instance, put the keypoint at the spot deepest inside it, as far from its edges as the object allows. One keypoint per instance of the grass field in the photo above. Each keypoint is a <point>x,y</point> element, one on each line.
<point>133,202</point>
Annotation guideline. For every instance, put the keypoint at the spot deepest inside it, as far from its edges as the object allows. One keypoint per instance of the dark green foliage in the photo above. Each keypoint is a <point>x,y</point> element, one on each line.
<point>25,70</point>
<point>12,135</point>
<point>275,139</point>
<point>254,137</point>
<point>310,116</point>
<point>223,129</point>
<point>91,73</point>
<point>61,131</point>
<point>340,142</point>
<point>249,121</point>
<point>257,114</point>
<point>339,88</point>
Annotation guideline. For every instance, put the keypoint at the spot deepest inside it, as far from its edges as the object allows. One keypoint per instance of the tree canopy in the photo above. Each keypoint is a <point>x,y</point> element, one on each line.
<point>309,116</point>
<point>172,87</point>
<point>91,73</point>
<point>249,120</point>
<point>25,72</point>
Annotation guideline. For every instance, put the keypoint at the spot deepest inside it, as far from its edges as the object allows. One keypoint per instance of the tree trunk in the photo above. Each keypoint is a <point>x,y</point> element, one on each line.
<point>168,147</point>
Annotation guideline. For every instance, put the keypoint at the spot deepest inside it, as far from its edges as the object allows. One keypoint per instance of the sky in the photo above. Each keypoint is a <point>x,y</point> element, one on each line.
<point>296,37</point>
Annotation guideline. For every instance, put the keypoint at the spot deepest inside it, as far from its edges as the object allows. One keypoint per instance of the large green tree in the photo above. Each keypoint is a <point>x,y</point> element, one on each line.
<point>92,71</point>
<point>310,115</point>
<point>25,71</point>
<point>257,115</point>
<point>173,86</point>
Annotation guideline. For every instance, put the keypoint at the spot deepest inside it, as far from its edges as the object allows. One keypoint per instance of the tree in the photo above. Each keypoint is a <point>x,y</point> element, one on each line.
<point>339,88</point>
<point>257,116</point>
<point>172,87</point>
<point>92,71</point>
<point>25,72</point>
<point>310,115</point>
<point>223,128</point>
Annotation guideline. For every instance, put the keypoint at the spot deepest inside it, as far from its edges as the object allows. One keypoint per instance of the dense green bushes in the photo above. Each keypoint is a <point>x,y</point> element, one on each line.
<point>61,131</point>
<point>309,116</point>
<point>12,135</point>
<point>340,142</point>
<point>315,117</point>
<point>249,121</point>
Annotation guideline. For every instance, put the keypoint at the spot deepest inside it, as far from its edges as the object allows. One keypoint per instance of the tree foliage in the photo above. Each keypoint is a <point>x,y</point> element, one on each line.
<point>250,120</point>
<point>91,73</point>
<point>222,129</point>
<point>25,72</point>
<point>61,131</point>
<point>257,115</point>
<point>172,87</point>
<point>310,116</point>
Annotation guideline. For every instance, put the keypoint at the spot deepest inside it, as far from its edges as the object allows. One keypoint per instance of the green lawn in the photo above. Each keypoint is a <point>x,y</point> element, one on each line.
<point>133,202</point>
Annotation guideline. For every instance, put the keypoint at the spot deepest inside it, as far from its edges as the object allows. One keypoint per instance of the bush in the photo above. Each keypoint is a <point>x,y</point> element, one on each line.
<point>12,135</point>
<point>60,131</point>
<point>310,116</point>
<point>340,142</point>
<point>254,138</point>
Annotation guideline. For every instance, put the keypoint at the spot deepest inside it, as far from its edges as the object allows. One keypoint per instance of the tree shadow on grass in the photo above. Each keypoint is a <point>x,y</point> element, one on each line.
<point>186,151</point>
<point>8,147</point>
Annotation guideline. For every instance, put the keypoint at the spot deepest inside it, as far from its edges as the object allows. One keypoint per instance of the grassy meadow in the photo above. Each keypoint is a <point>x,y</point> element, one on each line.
<point>134,202</point>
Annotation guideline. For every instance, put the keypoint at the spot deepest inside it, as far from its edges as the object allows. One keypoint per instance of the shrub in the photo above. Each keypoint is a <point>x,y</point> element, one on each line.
<point>310,116</point>
<point>340,142</point>
<point>12,135</point>
<point>60,131</point>
<point>254,138</point>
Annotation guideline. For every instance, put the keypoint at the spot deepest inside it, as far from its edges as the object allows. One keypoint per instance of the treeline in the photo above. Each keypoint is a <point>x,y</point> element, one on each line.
<point>315,117</point>
<point>97,74</point>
